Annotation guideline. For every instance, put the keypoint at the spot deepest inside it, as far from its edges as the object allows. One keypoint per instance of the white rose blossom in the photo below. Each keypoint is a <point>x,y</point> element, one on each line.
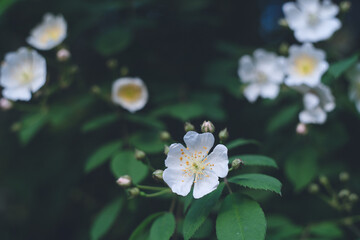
<point>305,65</point>
<point>317,102</point>
<point>48,34</point>
<point>312,20</point>
<point>194,165</point>
<point>22,73</point>
<point>263,73</point>
<point>354,89</point>
<point>130,93</point>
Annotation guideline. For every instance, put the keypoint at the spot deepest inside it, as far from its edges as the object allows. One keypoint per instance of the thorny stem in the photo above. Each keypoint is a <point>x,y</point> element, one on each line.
<point>155,194</point>
<point>151,188</point>
<point>228,185</point>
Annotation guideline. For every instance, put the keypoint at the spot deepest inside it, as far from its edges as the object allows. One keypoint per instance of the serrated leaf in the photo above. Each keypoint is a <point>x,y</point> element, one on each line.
<point>163,227</point>
<point>240,142</point>
<point>99,122</point>
<point>256,160</point>
<point>101,155</point>
<point>105,219</point>
<point>258,181</point>
<point>30,125</point>
<point>125,163</point>
<point>143,225</point>
<point>240,218</point>
<point>113,41</point>
<point>326,229</point>
<point>199,210</point>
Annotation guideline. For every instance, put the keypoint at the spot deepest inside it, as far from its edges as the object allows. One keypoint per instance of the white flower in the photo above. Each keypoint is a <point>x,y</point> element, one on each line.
<point>186,166</point>
<point>48,34</point>
<point>311,20</point>
<point>317,102</point>
<point>263,73</point>
<point>22,72</point>
<point>354,89</point>
<point>305,65</point>
<point>130,93</point>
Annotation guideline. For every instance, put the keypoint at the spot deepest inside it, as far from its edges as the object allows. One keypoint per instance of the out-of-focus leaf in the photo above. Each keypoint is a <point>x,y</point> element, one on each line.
<point>6,4</point>
<point>125,163</point>
<point>188,200</point>
<point>147,141</point>
<point>327,229</point>
<point>105,219</point>
<point>181,111</point>
<point>101,155</point>
<point>256,160</point>
<point>284,117</point>
<point>240,218</point>
<point>163,227</point>
<point>233,50</point>
<point>338,68</point>
<point>143,225</point>
<point>145,121</point>
<point>199,211</point>
<point>99,122</point>
<point>281,228</point>
<point>240,142</point>
<point>31,124</point>
<point>113,41</point>
<point>258,181</point>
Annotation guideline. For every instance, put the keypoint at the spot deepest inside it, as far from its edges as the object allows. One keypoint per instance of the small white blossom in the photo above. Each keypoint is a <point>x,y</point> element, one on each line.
<point>312,20</point>
<point>354,89</point>
<point>305,65</point>
<point>194,164</point>
<point>317,102</point>
<point>263,73</point>
<point>48,34</point>
<point>130,93</point>
<point>22,72</point>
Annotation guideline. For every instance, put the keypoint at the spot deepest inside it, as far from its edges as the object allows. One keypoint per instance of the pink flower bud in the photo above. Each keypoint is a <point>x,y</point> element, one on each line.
<point>301,129</point>
<point>63,55</point>
<point>5,104</point>
<point>124,181</point>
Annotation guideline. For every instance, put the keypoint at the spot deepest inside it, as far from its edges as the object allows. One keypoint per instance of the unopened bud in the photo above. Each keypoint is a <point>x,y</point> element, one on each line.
<point>353,197</point>
<point>95,89</point>
<point>237,163</point>
<point>124,181</point>
<point>166,149</point>
<point>124,71</point>
<point>344,193</point>
<point>112,63</point>
<point>345,6</point>
<point>313,188</point>
<point>284,48</point>
<point>5,104</point>
<point>158,175</point>
<point>282,22</point>
<point>133,192</point>
<point>223,135</point>
<point>323,180</point>
<point>139,155</point>
<point>15,127</point>
<point>344,176</point>
<point>301,129</point>
<point>207,126</point>
<point>189,127</point>
<point>63,55</point>
<point>165,136</point>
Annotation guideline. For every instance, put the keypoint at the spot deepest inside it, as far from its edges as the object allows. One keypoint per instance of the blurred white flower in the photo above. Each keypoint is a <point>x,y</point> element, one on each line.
<point>263,73</point>
<point>305,65</point>
<point>186,166</point>
<point>354,89</point>
<point>130,93</point>
<point>22,72</point>
<point>317,102</point>
<point>48,34</point>
<point>312,20</point>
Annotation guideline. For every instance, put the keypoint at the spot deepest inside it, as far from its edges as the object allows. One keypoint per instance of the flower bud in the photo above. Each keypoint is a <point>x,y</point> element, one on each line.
<point>313,188</point>
<point>284,48</point>
<point>207,126</point>
<point>344,176</point>
<point>323,180</point>
<point>15,127</point>
<point>353,197</point>
<point>95,89</point>
<point>237,163</point>
<point>189,127</point>
<point>282,22</point>
<point>223,135</point>
<point>301,129</point>
<point>345,6</point>
<point>63,55</point>
<point>166,149</point>
<point>139,155</point>
<point>344,193</point>
<point>133,192</point>
<point>165,136</point>
<point>158,175</point>
<point>124,70</point>
<point>5,104</point>
<point>112,63</point>
<point>124,181</point>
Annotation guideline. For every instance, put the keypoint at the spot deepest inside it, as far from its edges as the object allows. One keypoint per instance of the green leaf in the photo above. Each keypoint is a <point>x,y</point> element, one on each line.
<point>326,229</point>
<point>181,111</point>
<point>258,181</point>
<point>199,211</point>
<point>113,41</point>
<point>240,142</point>
<point>282,118</point>
<point>125,163</point>
<point>143,225</point>
<point>240,218</point>
<point>338,68</point>
<point>105,219</point>
<point>30,125</point>
<point>145,121</point>
<point>204,230</point>
<point>256,160</point>
<point>101,155</point>
<point>6,4</point>
<point>163,227</point>
<point>147,141</point>
<point>187,201</point>
<point>99,122</point>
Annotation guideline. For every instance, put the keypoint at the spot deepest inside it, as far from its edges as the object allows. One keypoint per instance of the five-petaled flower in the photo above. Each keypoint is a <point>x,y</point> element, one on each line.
<point>194,164</point>
<point>311,20</point>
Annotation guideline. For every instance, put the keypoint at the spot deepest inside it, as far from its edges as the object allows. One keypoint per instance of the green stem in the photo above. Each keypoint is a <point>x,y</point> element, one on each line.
<point>151,188</point>
<point>156,194</point>
<point>228,185</point>
<point>152,169</point>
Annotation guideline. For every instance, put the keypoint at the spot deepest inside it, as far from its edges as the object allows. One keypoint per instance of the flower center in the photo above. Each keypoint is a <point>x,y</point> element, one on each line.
<point>130,93</point>
<point>305,65</point>
<point>26,77</point>
<point>261,77</point>
<point>312,19</point>
<point>51,34</point>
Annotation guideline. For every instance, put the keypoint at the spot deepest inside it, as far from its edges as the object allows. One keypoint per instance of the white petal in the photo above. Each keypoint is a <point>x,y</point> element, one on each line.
<point>246,70</point>
<point>311,101</point>
<point>328,9</point>
<point>177,181</point>
<point>309,5</point>
<point>316,116</point>
<point>293,15</point>
<point>199,142</point>
<point>17,94</point>
<point>327,100</point>
<point>270,90</point>
<point>251,92</point>
<point>219,159</point>
<point>205,185</point>
<point>174,157</point>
